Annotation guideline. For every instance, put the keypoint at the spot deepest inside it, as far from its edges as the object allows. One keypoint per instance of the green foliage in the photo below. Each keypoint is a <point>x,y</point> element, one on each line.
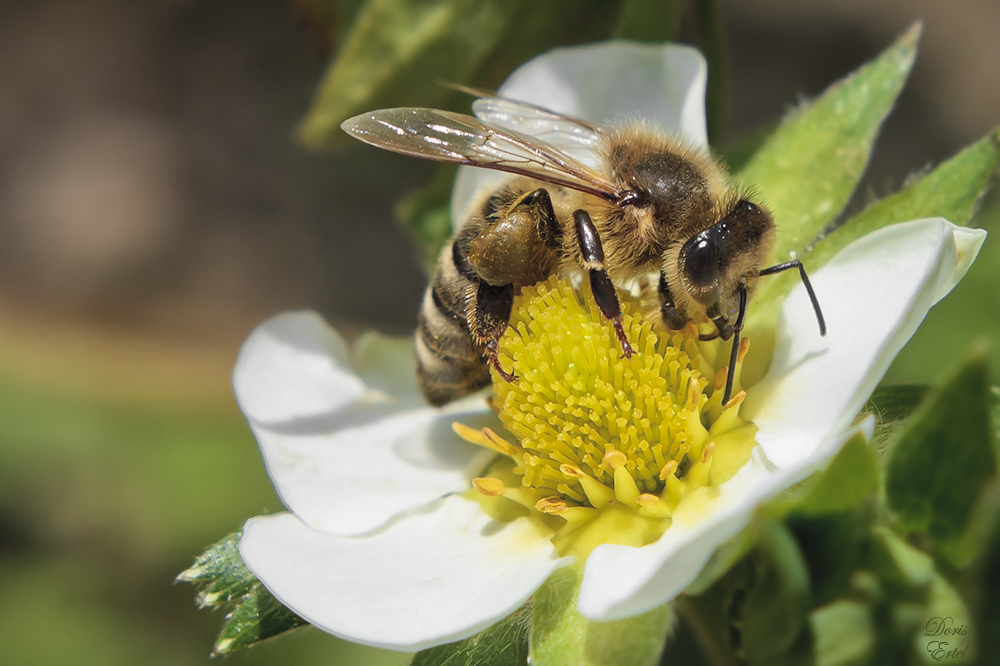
<point>942,458</point>
<point>952,191</point>
<point>503,644</point>
<point>808,168</point>
<point>398,52</point>
<point>400,47</point>
<point>226,583</point>
<point>560,635</point>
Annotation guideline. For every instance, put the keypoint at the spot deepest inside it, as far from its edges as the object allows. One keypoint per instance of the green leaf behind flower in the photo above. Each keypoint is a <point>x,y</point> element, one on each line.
<point>808,169</point>
<point>400,49</point>
<point>943,456</point>
<point>225,582</point>
<point>560,635</point>
<point>503,644</point>
<point>952,191</point>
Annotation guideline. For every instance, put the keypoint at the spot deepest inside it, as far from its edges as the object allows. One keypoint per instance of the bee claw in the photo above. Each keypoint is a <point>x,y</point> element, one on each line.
<point>492,350</point>
<point>627,350</point>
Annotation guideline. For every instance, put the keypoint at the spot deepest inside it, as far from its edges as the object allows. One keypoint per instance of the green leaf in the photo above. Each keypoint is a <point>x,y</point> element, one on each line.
<point>904,570</point>
<point>723,560</point>
<point>945,634</point>
<point>943,456</point>
<point>984,584</point>
<point>895,402</point>
<point>560,635</point>
<point>808,169</point>
<point>851,478</point>
<point>779,597</point>
<point>503,644</point>
<point>953,191</point>
<point>396,53</point>
<point>225,582</point>
<point>843,633</point>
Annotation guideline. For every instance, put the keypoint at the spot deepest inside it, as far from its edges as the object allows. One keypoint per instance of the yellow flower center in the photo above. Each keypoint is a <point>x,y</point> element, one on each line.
<point>607,447</point>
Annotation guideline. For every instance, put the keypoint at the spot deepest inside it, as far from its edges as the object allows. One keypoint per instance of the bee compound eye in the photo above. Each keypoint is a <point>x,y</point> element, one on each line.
<point>701,262</point>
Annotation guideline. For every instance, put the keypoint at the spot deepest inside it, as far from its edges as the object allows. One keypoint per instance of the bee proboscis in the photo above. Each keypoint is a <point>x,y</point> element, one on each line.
<point>648,205</point>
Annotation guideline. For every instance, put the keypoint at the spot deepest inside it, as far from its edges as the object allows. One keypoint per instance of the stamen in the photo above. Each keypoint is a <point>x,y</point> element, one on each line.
<point>604,445</point>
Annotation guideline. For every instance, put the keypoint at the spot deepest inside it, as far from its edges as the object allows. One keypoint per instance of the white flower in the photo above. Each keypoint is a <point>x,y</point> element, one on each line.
<point>380,548</point>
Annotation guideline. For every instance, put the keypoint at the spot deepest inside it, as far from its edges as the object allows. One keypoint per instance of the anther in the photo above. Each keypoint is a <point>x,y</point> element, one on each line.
<point>488,486</point>
<point>652,506</point>
<point>613,459</point>
<point>553,506</point>
<point>668,470</point>
<point>599,494</point>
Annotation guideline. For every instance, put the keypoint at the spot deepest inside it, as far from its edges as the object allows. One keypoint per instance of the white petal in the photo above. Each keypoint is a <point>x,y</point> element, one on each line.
<point>294,366</point>
<point>352,473</point>
<point>604,83</point>
<point>875,293</point>
<point>387,364</point>
<point>431,578</point>
<point>343,456</point>
<point>621,581</point>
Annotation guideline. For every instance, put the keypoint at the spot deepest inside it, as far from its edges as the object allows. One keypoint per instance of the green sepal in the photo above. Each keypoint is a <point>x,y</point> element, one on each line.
<point>723,560</point>
<point>773,617</point>
<point>983,584</point>
<point>952,191</point>
<point>809,167</point>
<point>398,51</point>
<point>560,636</point>
<point>945,632</point>
<point>850,479</point>
<point>225,582</point>
<point>503,644</point>
<point>844,633</point>
<point>942,457</point>
<point>895,402</point>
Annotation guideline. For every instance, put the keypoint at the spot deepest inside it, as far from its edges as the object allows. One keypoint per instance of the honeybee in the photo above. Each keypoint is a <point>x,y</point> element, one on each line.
<point>650,205</point>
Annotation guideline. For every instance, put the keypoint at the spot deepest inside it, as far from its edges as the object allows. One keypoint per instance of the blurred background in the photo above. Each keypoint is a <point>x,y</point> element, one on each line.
<point>154,207</point>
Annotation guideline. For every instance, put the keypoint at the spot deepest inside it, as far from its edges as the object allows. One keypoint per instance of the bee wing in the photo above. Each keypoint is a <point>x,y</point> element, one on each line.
<point>454,137</point>
<point>573,136</point>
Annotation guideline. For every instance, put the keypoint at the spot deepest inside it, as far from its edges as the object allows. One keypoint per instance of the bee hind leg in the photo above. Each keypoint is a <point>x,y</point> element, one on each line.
<point>603,289</point>
<point>490,318</point>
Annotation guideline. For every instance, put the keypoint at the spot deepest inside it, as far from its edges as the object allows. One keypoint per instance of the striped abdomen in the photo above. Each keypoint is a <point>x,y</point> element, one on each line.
<point>450,363</point>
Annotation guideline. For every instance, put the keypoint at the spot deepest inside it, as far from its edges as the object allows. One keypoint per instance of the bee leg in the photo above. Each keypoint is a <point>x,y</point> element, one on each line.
<point>734,352</point>
<point>600,284</point>
<point>672,317</point>
<point>516,247</point>
<point>492,313</point>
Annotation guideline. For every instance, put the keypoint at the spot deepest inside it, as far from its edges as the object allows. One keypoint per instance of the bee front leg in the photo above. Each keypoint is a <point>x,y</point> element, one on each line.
<point>603,289</point>
<point>671,315</point>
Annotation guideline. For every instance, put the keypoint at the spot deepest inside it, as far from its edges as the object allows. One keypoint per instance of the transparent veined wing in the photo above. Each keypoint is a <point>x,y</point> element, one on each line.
<point>453,137</point>
<point>573,136</point>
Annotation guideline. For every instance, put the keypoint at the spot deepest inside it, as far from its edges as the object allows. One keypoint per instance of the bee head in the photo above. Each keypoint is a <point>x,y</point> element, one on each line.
<point>727,255</point>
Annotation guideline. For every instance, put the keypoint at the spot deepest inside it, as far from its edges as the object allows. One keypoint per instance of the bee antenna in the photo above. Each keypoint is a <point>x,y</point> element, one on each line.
<point>809,289</point>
